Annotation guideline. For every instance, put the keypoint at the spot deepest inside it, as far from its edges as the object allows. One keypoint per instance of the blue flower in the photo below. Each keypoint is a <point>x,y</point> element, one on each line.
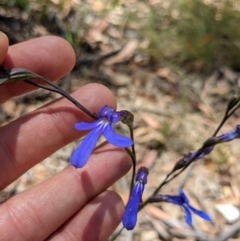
<point>104,125</point>
<point>229,136</point>
<point>182,200</point>
<point>130,216</point>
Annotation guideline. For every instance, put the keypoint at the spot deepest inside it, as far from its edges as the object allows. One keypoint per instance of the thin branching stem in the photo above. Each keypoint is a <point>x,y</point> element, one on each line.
<point>172,176</point>
<point>29,77</point>
<point>226,116</point>
<point>133,160</point>
<point>70,98</point>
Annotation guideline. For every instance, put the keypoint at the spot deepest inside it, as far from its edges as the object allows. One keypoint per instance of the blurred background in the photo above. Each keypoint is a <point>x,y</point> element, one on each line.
<point>174,64</point>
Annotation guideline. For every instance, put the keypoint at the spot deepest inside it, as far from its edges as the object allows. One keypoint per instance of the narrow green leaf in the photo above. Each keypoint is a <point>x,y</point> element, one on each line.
<point>16,74</point>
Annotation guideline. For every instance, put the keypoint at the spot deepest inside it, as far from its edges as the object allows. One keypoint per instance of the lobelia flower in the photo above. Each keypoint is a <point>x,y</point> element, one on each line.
<point>130,216</point>
<point>104,125</point>
<point>182,200</point>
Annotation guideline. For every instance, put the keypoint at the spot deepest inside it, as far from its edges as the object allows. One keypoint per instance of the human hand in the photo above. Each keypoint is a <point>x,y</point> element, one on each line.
<point>74,204</point>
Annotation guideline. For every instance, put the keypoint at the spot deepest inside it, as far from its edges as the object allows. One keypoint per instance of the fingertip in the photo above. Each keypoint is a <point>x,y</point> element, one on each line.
<point>95,94</point>
<point>96,221</point>
<point>109,209</point>
<point>111,160</point>
<point>3,46</point>
<point>49,56</point>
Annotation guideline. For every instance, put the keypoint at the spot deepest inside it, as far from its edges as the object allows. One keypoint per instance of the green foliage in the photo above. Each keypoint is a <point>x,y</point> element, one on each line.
<point>18,3</point>
<point>190,30</point>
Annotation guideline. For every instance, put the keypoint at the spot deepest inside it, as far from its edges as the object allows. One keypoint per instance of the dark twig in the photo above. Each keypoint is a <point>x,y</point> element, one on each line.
<point>19,74</point>
<point>63,93</point>
<point>134,160</point>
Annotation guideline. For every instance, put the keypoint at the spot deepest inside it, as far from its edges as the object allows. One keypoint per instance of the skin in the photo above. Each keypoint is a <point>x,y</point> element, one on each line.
<point>74,204</point>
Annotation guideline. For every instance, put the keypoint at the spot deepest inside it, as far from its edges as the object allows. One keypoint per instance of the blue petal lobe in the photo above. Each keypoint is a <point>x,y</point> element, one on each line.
<point>130,216</point>
<point>201,214</point>
<point>116,117</point>
<point>188,215</point>
<point>84,126</point>
<point>177,200</point>
<point>102,110</point>
<point>84,150</point>
<point>237,131</point>
<point>183,196</point>
<point>116,139</point>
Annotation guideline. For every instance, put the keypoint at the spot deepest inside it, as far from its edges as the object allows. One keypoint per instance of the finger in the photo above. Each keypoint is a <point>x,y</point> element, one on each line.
<point>49,56</point>
<point>32,138</point>
<point>37,212</point>
<point>3,46</point>
<point>98,219</point>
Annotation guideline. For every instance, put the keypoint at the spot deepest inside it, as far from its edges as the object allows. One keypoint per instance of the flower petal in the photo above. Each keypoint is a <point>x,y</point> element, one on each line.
<point>183,196</point>
<point>201,214</point>
<point>84,126</point>
<point>188,215</point>
<point>130,216</point>
<point>102,110</point>
<point>82,153</point>
<point>116,117</point>
<point>116,139</point>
